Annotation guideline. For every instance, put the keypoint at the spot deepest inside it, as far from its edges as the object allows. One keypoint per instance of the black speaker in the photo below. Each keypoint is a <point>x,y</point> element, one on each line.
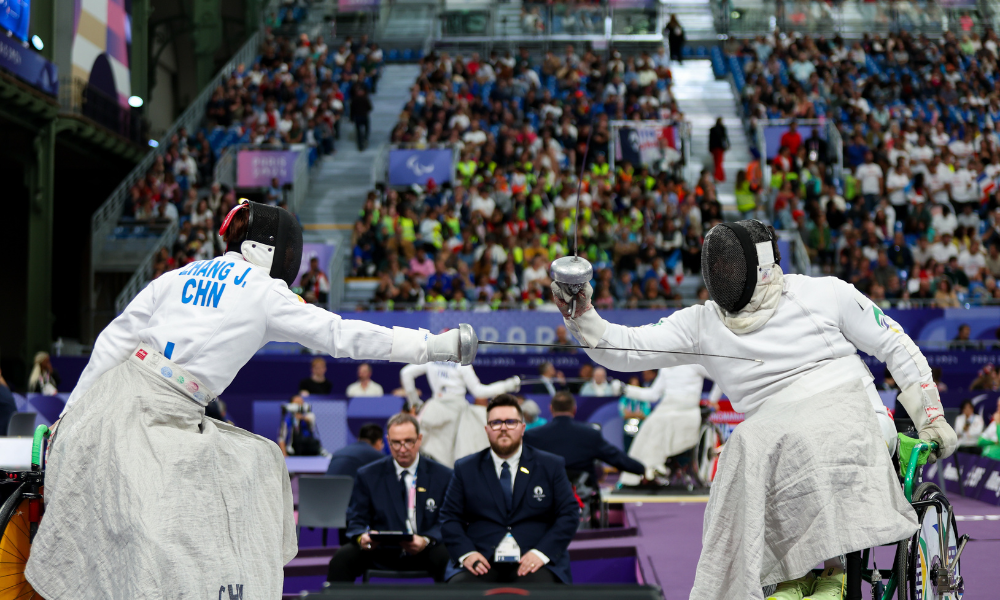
<point>349,591</point>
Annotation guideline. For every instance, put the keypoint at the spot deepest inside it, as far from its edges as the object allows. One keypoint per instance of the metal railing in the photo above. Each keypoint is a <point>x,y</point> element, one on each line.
<point>108,214</point>
<point>80,97</point>
<point>563,21</point>
<point>337,269</point>
<point>300,185</point>
<point>144,273</point>
<point>225,168</point>
<point>851,18</point>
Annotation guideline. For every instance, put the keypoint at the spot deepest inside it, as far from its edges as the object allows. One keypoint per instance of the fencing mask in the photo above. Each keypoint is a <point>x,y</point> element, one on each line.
<point>734,258</point>
<point>273,239</point>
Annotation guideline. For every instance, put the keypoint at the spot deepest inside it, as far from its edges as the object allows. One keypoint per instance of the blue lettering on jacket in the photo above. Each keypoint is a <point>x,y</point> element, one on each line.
<point>214,271</point>
<point>224,271</point>
<point>215,295</point>
<point>203,288</point>
<point>241,278</point>
<point>185,298</point>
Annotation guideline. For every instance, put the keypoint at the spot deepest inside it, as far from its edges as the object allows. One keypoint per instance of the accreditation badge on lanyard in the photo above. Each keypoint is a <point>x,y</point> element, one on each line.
<point>507,550</point>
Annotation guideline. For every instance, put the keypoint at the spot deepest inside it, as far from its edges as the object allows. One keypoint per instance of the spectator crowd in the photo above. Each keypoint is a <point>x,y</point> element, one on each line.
<point>531,133</point>
<point>295,92</point>
<point>915,219</point>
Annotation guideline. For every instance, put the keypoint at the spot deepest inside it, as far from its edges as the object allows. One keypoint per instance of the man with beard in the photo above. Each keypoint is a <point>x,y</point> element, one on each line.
<point>509,513</point>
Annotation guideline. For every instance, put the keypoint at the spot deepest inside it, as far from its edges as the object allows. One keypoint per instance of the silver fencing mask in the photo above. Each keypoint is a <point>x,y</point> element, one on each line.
<point>730,258</point>
<point>273,239</point>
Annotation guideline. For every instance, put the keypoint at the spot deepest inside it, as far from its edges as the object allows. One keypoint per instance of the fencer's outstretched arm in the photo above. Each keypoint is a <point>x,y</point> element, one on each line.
<point>678,332</point>
<point>116,342</point>
<point>480,390</point>
<point>289,319</point>
<point>407,378</point>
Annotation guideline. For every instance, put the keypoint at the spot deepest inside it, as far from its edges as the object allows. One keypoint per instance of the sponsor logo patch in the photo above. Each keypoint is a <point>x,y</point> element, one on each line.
<point>167,372</point>
<point>141,354</point>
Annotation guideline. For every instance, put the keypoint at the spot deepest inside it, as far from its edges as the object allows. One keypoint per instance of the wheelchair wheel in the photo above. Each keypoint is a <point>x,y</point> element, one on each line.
<point>15,545</point>
<point>707,457</point>
<point>924,555</point>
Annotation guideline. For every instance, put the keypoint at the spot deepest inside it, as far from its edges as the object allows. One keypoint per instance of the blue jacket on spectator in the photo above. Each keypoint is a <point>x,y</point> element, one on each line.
<point>377,501</point>
<point>545,513</point>
<point>350,458</point>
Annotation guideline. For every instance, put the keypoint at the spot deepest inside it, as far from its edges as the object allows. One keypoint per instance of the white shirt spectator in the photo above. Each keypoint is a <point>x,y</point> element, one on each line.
<point>896,184</point>
<point>961,149</point>
<point>964,187</point>
<point>921,153</point>
<point>940,139</point>
<point>942,252</point>
<point>940,182</point>
<point>483,204</point>
<point>870,176</point>
<point>372,390</point>
<point>802,69</point>
<point>969,437</point>
<point>477,137</point>
<point>971,262</point>
<point>461,120</point>
<point>532,274</point>
<point>943,223</point>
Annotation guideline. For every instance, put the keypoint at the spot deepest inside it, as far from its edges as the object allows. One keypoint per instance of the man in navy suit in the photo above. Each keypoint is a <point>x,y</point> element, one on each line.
<point>509,514</point>
<point>578,443</point>
<point>352,457</point>
<point>401,493</point>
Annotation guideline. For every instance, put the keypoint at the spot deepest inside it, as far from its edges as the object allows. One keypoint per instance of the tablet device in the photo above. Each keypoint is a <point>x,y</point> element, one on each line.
<point>391,538</point>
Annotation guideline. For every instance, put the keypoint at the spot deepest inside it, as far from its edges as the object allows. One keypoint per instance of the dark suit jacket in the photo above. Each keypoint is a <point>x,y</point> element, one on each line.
<point>580,445</point>
<point>377,501</point>
<point>352,457</point>
<point>544,518</point>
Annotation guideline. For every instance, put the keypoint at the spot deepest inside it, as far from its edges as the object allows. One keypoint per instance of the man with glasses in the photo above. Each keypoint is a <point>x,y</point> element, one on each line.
<point>401,493</point>
<point>509,513</point>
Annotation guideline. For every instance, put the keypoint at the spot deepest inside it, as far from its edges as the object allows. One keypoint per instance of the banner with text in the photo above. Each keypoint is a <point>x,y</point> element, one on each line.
<point>408,167</point>
<point>28,65</point>
<point>256,168</point>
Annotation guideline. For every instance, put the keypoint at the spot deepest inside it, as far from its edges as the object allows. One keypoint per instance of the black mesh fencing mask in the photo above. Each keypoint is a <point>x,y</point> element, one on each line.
<point>274,240</point>
<point>730,256</point>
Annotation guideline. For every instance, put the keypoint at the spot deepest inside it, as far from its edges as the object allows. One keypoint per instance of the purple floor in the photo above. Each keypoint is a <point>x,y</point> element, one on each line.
<point>669,542</point>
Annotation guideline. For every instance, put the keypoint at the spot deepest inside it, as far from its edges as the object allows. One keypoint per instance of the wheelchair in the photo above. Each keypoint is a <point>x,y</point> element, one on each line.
<point>20,514</point>
<point>696,468</point>
<point>927,564</point>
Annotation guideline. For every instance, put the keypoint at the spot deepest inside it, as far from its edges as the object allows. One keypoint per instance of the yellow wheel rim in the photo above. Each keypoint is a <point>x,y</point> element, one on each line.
<point>15,546</point>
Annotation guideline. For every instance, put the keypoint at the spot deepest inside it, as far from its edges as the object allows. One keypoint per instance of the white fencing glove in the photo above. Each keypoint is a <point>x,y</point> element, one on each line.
<point>444,347</point>
<point>513,384</point>
<point>616,387</point>
<point>563,300</point>
<point>923,403</point>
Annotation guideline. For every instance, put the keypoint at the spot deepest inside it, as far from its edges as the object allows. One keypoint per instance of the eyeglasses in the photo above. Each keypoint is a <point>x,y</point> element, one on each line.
<point>497,424</point>
<point>397,444</point>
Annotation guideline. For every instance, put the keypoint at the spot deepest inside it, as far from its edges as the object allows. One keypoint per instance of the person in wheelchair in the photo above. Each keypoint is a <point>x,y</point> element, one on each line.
<point>145,495</point>
<point>806,477</point>
<point>674,425</point>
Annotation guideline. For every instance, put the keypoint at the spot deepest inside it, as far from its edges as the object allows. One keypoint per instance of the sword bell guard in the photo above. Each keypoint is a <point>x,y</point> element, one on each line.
<point>572,273</point>
<point>468,343</point>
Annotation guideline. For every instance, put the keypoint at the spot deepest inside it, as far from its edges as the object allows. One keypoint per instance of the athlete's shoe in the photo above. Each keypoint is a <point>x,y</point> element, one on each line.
<point>829,585</point>
<point>795,589</point>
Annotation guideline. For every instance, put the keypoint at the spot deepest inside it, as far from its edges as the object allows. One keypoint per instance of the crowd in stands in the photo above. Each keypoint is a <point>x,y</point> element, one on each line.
<point>521,126</point>
<point>915,219</point>
<point>293,93</point>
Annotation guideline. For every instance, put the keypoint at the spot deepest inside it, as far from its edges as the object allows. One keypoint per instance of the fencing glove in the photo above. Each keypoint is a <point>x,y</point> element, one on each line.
<point>923,403</point>
<point>513,384</point>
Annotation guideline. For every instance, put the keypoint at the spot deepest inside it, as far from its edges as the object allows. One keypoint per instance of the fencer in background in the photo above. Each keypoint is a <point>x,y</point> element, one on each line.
<point>675,422</point>
<point>452,427</point>
<point>778,506</point>
<point>144,494</point>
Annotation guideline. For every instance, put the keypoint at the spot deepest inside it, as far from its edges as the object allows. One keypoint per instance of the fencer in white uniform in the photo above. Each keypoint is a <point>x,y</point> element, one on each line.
<point>452,427</point>
<point>145,495</point>
<point>675,422</point>
<point>805,478</point>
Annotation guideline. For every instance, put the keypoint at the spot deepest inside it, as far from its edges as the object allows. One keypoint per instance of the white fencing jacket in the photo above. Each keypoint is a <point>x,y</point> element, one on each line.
<point>212,316</point>
<point>449,379</point>
<point>817,321</point>
<point>676,388</point>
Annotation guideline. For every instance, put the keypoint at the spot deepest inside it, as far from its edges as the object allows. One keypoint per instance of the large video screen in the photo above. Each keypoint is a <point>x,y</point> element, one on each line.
<point>14,17</point>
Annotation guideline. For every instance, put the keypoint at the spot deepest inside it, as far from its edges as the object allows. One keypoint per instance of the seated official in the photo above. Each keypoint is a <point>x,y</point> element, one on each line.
<point>578,443</point>
<point>401,493</point>
<point>510,513</point>
<point>352,457</point>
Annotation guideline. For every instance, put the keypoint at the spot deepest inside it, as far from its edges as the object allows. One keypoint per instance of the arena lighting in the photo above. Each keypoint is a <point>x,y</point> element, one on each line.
<point>134,101</point>
<point>153,144</point>
<point>37,42</point>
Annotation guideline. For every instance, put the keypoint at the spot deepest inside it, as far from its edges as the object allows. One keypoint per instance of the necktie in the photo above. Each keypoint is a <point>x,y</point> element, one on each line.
<point>505,486</point>
<point>409,499</point>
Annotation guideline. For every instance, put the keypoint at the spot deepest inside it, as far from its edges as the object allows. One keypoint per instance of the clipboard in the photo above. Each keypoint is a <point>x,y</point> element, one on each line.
<point>391,538</point>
